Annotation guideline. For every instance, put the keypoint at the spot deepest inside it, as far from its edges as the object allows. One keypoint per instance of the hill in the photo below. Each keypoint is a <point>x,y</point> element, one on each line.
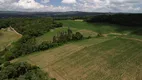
<point>116,56</point>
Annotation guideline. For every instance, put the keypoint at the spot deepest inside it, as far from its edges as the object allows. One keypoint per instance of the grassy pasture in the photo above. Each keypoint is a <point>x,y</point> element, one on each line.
<point>49,35</point>
<point>104,58</point>
<point>99,27</point>
<point>117,59</point>
<point>7,37</point>
<point>96,58</point>
<point>87,29</point>
<point>110,60</point>
<point>45,58</point>
<point>134,36</point>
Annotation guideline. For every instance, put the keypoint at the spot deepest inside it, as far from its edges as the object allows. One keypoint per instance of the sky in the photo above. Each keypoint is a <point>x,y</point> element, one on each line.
<point>130,6</point>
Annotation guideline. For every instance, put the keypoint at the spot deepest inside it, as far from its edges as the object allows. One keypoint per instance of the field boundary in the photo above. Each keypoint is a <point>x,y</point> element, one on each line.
<point>15,31</point>
<point>132,39</point>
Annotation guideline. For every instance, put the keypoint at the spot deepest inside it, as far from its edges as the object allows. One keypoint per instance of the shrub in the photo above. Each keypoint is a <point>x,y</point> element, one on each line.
<point>22,71</point>
<point>6,63</point>
<point>9,56</point>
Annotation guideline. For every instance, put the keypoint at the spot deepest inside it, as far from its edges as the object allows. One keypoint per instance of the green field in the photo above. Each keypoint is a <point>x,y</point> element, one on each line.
<point>98,27</point>
<point>117,56</point>
<point>110,60</point>
<point>7,37</point>
<point>87,29</point>
<point>97,58</point>
<point>49,35</point>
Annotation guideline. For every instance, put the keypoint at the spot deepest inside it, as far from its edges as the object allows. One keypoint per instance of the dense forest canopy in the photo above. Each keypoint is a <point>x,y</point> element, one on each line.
<point>120,19</point>
<point>30,26</point>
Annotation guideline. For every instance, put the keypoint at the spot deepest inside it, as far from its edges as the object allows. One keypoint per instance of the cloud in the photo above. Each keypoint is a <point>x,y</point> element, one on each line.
<point>68,1</point>
<point>28,4</point>
<point>109,5</point>
<point>73,5</point>
<point>7,1</point>
<point>45,1</point>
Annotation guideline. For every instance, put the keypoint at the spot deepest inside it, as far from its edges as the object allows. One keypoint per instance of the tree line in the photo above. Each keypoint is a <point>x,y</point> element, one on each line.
<point>120,19</point>
<point>30,29</point>
<point>60,39</point>
<point>27,44</point>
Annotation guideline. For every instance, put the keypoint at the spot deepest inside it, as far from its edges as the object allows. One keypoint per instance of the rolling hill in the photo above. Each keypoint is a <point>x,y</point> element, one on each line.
<point>113,57</point>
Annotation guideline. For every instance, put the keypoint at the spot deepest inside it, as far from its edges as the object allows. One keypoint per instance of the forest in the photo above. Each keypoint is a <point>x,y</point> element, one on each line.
<point>30,26</point>
<point>120,19</point>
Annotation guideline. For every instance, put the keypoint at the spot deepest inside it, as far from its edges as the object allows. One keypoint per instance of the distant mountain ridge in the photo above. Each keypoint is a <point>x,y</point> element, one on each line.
<point>7,14</point>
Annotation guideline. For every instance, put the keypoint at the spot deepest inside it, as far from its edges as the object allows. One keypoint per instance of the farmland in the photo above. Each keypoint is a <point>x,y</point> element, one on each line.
<point>116,57</point>
<point>106,59</point>
<point>70,40</point>
<point>104,28</point>
<point>102,62</point>
<point>88,29</point>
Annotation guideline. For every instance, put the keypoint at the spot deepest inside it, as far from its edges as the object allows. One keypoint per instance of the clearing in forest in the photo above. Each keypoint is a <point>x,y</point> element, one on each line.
<point>7,36</point>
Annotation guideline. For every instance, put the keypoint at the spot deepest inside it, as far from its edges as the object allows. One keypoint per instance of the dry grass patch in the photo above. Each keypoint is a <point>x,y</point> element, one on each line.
<point>79,20</point>
<point>87,33</point>
<point>7,37</point>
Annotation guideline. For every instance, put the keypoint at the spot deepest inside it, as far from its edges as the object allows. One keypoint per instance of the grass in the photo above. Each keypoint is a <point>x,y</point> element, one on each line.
<point>49,35</point>
<point>46,58</point>
<point>110,60</point>
<point>7,37</point>
<point>98,27</point>
<point>96,58</point>
<point>104,58</point>
<point>87,29</point>
<point>134,36</point>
